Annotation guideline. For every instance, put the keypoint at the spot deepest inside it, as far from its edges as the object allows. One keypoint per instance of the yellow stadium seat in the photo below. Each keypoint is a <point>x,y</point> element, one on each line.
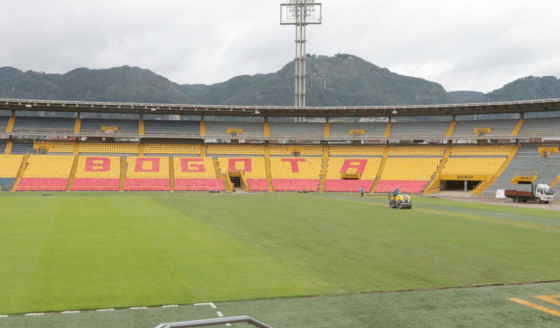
<point>283,167</point>
<point>171,149</point>
<point>473,166</point>
<point>356,151</point>
<point>194,168</point>
<point>419,169</point>
<point>337,163</point>
<point>417,151</point>
<point>9,165</point>
<point>257,166</point>
<point>109,148</point>
<point>481,150</point>
<point>48,166</point>
<point>235,149</point>
<point>147,167</point>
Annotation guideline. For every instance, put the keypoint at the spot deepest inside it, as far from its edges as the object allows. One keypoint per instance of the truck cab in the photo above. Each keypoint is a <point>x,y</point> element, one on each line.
<point>544,193</point>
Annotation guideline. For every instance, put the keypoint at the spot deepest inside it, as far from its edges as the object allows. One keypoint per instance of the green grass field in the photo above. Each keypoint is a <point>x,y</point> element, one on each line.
<point>117,251</point>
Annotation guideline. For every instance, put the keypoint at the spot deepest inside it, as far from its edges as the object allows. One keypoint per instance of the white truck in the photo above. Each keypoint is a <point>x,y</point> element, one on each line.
<point>540,193</point>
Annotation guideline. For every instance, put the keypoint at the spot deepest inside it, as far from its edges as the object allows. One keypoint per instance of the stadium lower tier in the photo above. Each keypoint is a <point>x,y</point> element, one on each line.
<point>257,184</point>
<point>42,184</point>
<point>95,184</point>
<point>310,185</point>
<point>406,186</point>
<point>199,184</point>
<point>146,184</point>
<point>410,168</point>
<point>348,185</point>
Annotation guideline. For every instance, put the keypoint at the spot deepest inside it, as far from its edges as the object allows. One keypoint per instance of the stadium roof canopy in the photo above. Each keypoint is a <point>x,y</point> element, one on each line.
<point>278,111</point>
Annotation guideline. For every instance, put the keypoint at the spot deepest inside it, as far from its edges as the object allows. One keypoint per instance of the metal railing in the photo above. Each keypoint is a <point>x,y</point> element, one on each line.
<point>214,322</point>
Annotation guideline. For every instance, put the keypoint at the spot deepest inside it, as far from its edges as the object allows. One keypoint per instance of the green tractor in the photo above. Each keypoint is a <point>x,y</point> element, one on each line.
<point>402,202</point>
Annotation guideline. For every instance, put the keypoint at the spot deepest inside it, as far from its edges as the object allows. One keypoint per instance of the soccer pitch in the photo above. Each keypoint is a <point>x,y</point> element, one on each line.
<point>72,252</point>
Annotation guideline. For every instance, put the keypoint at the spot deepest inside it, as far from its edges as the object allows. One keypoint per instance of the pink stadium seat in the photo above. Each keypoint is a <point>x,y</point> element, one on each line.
<point>95,184</point>
<point>348,185</point>
<point>295,184</point>
<point>411,187</point>
<point>153,184</point>
<point>42,184</point>
<point>199,184</point>
<point>257,184</point>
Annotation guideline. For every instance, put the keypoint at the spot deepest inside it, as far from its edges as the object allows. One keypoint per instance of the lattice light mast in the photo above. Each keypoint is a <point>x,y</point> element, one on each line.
<point>301,13</point>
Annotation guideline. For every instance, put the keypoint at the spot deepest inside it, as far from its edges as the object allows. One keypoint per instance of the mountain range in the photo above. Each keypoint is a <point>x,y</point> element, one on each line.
<point>341,80</point>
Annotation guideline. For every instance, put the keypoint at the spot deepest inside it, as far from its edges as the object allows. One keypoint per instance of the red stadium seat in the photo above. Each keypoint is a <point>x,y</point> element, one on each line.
<point>95,184</point>
<point>154,184</point>
<point>199,184</point>
<point>348,185</point>
<point>42,184</point>
<point>407,186</point>
<point>295,184</point>
<point>257,184</point>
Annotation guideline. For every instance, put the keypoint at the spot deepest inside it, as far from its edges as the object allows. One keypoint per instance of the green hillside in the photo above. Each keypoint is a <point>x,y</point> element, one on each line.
<point>342,80</point>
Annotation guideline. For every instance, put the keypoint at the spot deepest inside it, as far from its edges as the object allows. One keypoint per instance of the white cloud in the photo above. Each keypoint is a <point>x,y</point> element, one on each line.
<point>464,45</point>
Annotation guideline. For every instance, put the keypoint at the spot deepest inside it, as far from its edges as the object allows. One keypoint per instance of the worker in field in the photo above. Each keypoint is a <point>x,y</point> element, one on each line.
<point>362,191</point>
<point>396,192</point>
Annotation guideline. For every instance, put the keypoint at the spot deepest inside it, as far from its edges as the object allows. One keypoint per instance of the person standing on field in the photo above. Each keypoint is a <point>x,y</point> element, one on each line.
<point>362,191</point>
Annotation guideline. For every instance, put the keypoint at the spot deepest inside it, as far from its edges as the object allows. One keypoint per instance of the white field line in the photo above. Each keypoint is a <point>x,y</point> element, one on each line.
<point>170,306</point>
<point>34,314</point>
<point>70,312</point>
<point>138,308</point>
<point>219,314</point>
<point>212,305</point>
<point>3,316</point>
<point>105,310</point>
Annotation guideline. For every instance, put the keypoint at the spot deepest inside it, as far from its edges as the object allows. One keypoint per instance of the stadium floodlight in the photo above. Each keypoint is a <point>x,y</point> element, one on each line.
<point>301,13</point>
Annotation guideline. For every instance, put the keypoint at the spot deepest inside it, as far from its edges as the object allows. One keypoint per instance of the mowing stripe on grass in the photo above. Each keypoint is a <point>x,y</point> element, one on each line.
<point>535,306</point>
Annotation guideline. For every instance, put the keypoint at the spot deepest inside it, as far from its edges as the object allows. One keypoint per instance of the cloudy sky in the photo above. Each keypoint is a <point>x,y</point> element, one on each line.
<point>465,45</point>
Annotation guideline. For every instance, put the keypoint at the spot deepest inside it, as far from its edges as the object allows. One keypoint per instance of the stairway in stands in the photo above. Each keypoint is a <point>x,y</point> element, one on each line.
<point>434,185</point>
<point>20,172</point>
<point>268,169</point>
<point>123,174</point>
<point>324,169</point>
<point>171,174</point>
<point>73,173</point>
<point>224,177</point>
<point>555,182</point>
<point>386,151</point>
<point>484,185</point>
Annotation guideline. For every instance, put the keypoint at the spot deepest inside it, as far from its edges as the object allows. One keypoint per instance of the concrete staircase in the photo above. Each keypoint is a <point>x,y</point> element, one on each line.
<point>171,174</point>
<point>434,185</point>
<point>484,185</point>
<point>268,169</point>
<point>225,177</point>
<point>20,172</point>
<point>73,171</point>
<point>386,151</point>
<point>324,169</point>
<point>123,174</point>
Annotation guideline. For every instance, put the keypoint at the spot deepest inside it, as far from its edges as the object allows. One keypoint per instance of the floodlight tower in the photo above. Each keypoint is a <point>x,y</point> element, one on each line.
<point>301,13</point>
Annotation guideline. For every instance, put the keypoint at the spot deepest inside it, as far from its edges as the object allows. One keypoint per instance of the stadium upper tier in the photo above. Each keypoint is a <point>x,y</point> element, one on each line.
<point>380,131</point>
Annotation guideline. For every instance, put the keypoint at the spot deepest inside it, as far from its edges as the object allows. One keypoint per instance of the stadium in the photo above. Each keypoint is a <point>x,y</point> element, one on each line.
<point>85,256</point>
<point>142,214</point>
